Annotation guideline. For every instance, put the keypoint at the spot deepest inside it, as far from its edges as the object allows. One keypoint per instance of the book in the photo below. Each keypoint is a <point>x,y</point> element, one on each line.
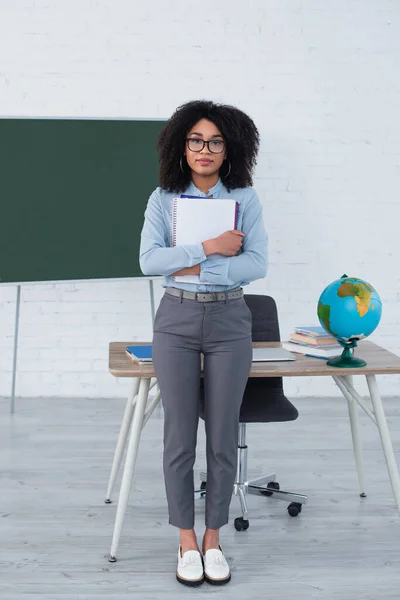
<point>314,341</point>
<point>194,220</point>
<point>312,330</point>
<point>314,345</point>
<point>314,352</point>
<point>140,353</point>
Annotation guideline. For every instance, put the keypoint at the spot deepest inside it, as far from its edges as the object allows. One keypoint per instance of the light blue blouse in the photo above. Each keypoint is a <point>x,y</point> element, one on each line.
<point>224,272</point>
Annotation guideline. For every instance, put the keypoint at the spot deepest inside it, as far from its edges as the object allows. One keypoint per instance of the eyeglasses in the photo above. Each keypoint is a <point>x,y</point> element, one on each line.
<point>197,145</point>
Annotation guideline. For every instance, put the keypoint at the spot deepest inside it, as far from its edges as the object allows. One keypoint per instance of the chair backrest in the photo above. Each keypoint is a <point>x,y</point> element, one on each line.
<point>264,400</point>
<point>265,326</point>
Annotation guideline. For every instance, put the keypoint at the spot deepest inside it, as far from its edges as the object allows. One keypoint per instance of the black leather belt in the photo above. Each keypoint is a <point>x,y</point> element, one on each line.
<point>205,296</point>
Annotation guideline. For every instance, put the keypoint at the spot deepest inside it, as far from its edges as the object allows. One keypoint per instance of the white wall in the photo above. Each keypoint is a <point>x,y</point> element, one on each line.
<point>321,81</point>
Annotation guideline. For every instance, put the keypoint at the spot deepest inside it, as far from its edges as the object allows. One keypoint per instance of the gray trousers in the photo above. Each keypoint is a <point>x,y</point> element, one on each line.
<point>221,331</point>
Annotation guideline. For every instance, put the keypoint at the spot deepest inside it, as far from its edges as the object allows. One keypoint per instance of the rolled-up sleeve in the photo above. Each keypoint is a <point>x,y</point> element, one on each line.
<point>252,263</point>
<point>156,257</point>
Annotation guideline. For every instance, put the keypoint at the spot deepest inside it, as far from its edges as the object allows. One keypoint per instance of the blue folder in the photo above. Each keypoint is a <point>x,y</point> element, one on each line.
<point>140,353</point>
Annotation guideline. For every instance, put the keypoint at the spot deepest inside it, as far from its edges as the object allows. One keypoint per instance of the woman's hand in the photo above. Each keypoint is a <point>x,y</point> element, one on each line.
<point>227,244</point>
<point>195,270</point>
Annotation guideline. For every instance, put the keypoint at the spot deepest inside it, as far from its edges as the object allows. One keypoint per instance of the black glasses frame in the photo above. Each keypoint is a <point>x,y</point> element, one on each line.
<point>206,142</point>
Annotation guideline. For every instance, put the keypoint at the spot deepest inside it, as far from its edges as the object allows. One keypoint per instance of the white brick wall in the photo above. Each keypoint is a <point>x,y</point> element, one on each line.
<point>321,81</point>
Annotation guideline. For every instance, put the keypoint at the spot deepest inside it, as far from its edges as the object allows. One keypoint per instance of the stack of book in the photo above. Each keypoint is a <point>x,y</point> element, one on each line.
<point>313,341</point>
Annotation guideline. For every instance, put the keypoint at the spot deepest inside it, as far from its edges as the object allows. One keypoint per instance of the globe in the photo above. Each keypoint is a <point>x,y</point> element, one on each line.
<point>349,309</point>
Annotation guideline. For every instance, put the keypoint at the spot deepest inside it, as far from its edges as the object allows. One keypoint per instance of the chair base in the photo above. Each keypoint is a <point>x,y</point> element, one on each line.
<point>265,486</point>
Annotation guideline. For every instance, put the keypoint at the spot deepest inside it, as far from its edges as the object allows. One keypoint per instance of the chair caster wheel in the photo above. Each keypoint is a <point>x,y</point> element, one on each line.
<point>112,559</point>
<point>241,524</point>
<point>294,509</point>
<point>203,490</point>
<point>273,485</point>
<point>107,501</point>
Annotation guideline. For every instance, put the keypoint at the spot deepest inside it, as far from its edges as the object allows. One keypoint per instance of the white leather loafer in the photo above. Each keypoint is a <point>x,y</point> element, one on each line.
<point>216,569</point>
<point>190,569</point>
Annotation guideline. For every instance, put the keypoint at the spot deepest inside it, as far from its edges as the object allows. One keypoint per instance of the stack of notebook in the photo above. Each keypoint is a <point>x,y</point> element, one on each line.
<point>313,341</point>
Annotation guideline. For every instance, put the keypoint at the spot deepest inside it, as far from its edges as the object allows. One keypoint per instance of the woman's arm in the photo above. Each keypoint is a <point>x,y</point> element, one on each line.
<point>156,258</point>
<point>252,263</point>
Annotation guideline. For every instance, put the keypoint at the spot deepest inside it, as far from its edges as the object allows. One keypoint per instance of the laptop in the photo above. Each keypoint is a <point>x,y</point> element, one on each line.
<point>272,354</point>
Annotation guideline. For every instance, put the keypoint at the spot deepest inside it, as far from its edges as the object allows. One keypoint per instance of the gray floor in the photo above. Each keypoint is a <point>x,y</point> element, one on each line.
<point>55,530</point>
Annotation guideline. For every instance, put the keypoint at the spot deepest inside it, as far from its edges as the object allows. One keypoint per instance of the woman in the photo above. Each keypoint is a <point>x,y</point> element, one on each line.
<point>207,150</point>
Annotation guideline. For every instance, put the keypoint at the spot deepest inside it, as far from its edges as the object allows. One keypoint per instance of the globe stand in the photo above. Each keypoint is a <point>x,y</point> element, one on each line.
<point>346,360</point>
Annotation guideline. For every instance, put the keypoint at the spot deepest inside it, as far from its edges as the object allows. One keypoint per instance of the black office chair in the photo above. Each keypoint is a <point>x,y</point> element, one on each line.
<point>263,402</point>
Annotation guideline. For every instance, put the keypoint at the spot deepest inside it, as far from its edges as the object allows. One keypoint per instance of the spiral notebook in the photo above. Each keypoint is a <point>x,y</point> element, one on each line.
<point>194,220</point>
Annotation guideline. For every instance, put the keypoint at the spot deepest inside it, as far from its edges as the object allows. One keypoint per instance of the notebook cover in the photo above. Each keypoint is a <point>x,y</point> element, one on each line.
<point>200,221</point>
<point>236,210</point>
<point>140,352</point>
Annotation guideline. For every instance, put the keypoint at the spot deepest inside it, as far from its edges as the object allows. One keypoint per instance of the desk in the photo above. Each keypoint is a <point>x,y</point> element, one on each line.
<point>140,407</point>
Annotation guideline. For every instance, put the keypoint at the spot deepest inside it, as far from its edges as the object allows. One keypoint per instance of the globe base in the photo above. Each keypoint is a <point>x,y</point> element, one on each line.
<point>346,363</point>
<point>346,360</point>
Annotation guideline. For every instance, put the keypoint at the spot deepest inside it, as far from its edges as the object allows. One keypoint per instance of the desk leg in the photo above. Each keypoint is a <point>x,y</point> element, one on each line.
<point>355,434</point>
<point>123,436</point>
<point>385,437</point>
<point>131,455</point>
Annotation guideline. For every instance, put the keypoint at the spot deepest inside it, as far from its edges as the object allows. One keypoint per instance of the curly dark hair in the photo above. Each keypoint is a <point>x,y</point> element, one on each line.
<point>238,130</point>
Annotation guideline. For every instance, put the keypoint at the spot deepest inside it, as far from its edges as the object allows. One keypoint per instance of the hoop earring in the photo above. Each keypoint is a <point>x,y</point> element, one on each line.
<point>228,173</point>
<point>181,166</point>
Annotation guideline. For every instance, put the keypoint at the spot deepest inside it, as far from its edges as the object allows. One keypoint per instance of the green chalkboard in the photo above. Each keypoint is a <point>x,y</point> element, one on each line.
<point>72,197</point>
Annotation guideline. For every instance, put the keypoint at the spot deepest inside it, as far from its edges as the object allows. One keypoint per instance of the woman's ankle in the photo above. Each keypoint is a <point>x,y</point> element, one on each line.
<point>210,539</point>
<point>188,540</point>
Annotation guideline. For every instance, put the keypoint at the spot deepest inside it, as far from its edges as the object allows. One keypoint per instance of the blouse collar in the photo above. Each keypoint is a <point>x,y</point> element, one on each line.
<point>194,191</point>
